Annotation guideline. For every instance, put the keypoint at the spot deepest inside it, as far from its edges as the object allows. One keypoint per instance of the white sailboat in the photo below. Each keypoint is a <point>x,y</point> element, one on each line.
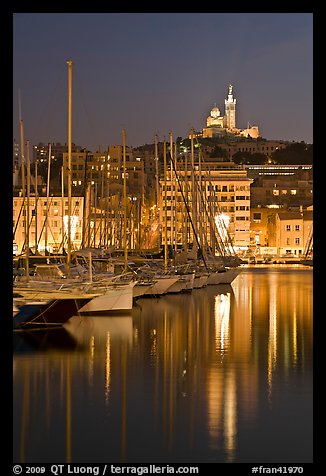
<point>112,298</point>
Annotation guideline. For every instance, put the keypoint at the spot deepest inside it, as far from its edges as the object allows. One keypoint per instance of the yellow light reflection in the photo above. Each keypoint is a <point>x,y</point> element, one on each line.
<point>107,367</point>
<point>230,417</point>
<point>91,361</point>
<point>272,339</point>
<point>153,350</point>
<point>215,385</point>
<point>222,318</point>
<point>294,339</point>
<point>221,387</point>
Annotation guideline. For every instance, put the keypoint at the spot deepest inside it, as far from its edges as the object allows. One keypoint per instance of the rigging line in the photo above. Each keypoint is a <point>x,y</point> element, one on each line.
<point>18,218</point>
<point>84,192</point>
<point>213,225</point>
<point>223,242</point>
<point>229,240</point>
<point>204,201</point>
<point>211,221</point>
<point>64,238</point>
<point>188,211</point>
<point>45,220</point>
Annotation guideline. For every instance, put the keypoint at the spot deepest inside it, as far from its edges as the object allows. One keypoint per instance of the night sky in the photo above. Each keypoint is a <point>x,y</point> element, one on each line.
<point>156,73</point>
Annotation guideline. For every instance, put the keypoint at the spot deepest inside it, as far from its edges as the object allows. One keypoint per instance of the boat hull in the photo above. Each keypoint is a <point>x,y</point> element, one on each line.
<point>160,286</point>
<point>114,299</point>
<point>54,312</point>
<point>229,275</point>
<point>185,283</point>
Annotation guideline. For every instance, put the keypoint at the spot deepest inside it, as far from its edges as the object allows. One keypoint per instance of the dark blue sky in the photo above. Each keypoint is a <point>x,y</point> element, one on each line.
<point>156,73</point>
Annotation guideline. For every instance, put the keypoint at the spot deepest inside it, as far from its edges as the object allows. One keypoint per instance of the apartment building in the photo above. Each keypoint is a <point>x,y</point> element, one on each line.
<point>212,193</point>
<point>289,232</point>
<point>48,223</point>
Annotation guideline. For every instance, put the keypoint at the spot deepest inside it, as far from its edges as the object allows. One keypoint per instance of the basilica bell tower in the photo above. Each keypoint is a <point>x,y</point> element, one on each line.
<point>230,110</point>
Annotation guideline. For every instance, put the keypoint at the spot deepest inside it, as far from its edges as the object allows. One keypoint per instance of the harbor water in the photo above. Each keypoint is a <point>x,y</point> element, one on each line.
<point>223,374</point>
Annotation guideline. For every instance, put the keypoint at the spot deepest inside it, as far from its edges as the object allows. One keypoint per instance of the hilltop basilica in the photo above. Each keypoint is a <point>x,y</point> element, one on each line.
<point>217,125</point>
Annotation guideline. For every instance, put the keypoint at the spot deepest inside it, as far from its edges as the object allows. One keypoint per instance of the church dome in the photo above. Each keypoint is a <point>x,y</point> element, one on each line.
<point>215,112</point>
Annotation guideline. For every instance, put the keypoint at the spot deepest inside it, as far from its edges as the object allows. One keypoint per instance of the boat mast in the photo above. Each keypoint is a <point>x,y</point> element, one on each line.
<point>28,167</point>
<point>186,234</point>
<point>165,210</point>
<point>22,158</point>
<point>36,203</point>
<point>124,201</point>
<point>175,200</point>
<point>156,174</point>
<point>69,63</point>
<point>62,211</point>
<point>157,183</point>
<point>47,202</point>
<point>172,182</point>
<point>193,187</point>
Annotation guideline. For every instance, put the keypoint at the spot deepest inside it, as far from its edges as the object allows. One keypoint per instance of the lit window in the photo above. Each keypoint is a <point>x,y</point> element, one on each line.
<point>293,192</point>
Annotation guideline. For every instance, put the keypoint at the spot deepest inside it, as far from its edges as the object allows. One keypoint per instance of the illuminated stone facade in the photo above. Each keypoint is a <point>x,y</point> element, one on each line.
<point>289,232</point>
<point>218,125</point>
<point>48,223</point>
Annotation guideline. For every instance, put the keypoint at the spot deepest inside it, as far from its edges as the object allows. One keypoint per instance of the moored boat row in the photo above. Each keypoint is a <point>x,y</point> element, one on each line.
<point>41,302</point>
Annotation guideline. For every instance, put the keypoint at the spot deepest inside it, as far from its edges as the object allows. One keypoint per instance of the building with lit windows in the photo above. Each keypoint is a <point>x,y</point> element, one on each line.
<point>259,217</point>
<point>255,171</point>
<point>290,232</point>
<point>41,151</point>
<point>287,188</point>
<point>214,191</point>
<point>48,222</point>
<point>105,169</point>
<point>283,190</point>
<point>136,177</point>
<point>86,168</point>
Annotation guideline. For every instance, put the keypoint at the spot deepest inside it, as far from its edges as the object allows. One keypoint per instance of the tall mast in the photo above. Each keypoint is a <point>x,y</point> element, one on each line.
<point>193,185</point>
<point>36,203</point>
<point>156,173</point>
<point>47,201</point>
<point>125,201</point>
<point>165,211</point>
<point>22,157</point>
<point>172,200</point>
<point>157,194</point>
<point>175,198</point>
<point>28,173</point>
<point>186,221</point>
<point>101,204</point>
<point>69,63</point>
<point>62,210</point>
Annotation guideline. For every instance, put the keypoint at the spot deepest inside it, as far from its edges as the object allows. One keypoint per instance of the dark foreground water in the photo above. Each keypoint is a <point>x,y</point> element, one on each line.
<point>220,375</point>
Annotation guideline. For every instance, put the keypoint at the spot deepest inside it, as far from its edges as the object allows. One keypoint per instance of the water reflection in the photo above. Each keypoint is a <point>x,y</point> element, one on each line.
<point>201,377</point>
